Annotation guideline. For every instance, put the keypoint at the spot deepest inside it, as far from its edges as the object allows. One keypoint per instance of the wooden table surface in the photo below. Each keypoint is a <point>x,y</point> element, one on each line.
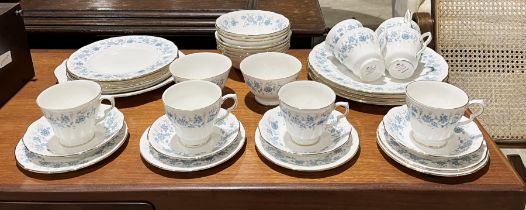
<point>371,180</point>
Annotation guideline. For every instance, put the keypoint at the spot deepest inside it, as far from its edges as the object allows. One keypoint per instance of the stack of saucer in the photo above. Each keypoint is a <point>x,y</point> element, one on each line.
<point>465,152</point>
<point>325,68</point>
<point>338,144</point>
<point>161,147</point>
<point>122,65</point>
<point>40,150</point>
<point>243,33</point>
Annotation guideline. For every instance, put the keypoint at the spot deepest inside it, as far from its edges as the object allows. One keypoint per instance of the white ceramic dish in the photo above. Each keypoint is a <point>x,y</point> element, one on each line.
<point>252,23</point>
<point>52,165</point>
<point>121,58</point>
<point>163,138</point>
<point>181,165</point>
<point>273,130</point>
<point>41,139</point>
<point>447,167</point>
<point>311,163</point>
<point>465,140</point>
<point>212,67</point>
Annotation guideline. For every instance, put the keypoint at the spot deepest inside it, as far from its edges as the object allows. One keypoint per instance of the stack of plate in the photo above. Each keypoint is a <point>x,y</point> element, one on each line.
<point>325,68</point>
<point>159,145</point>
<point>465,153</point>
<point>123,64</point>
<point>39,150</point>
<point>243,33</point>
<point>337,145</point>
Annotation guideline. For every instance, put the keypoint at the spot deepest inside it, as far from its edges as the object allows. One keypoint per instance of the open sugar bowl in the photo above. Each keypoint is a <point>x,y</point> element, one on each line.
<point>266,73</point>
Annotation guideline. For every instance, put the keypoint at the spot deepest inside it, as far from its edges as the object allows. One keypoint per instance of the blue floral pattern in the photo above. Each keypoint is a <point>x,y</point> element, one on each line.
<point>187,165</point>
<point>77,63</point>
<point>350,43</point>
<point>245,20</point>
<point>70,120</point>
<point>325,65</point>
<point>162,133</point>
<point>193,119</point>
<point>434,120</point>
<point>339,30</point>
<point>302,120</point>
<point>394,22</point>
<point>50,165</point>
<point>466,139</point>
<point>457,166</point>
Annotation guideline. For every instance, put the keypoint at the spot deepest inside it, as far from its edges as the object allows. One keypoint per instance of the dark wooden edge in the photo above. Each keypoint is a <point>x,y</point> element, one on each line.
<point>517,163</point>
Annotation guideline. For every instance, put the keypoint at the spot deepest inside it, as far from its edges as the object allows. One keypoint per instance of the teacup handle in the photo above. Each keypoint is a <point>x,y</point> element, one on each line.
<point>480,104</point>
<point>229,109</point>
<point>408,17</point>
<point>424,42</point>
<point>106,111</point>
<point>344,115</point>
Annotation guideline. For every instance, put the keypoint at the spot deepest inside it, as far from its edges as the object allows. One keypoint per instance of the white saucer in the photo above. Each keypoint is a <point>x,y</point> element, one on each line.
<point>182,165</point>
<point>274,131</point>
<point>40,138</point>
<point>51,165</point>
<point>320,162</point>
<point>447,167</point>
<point>61,76</point>
<point>465,140</point>
<point>163,138</point>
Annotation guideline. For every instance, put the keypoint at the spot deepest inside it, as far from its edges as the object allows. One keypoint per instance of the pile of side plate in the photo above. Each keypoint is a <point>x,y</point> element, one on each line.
<point>325,68</point>
<point>243,33</point>
<point>464,153</point>
<point>121,65</point>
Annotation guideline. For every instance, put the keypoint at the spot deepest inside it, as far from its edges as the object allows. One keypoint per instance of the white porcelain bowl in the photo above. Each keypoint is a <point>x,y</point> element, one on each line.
<point>237,58</point>
<point>255,46</point>
<point>212,67</point>
<point>248,42</point>
<point>265,73</point>
<point>255,23</point>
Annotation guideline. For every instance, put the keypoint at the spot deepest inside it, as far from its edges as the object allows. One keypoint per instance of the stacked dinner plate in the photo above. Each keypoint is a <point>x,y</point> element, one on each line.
<point>125,64</point>
<point>325,68</point>
<point>39,150</point>
<point>160,146</point>
<point>338,144</point>
<point>243,33</point>
<point>465,152</point>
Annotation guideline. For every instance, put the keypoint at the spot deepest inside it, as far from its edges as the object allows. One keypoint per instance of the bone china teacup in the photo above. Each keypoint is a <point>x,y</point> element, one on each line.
<point>359,51</point>
<point>338,31</point>
<point>402,48</point>
<point>71,109</point>
<point>192,107</point>
<point>436,109</point>
<point>306,107</point>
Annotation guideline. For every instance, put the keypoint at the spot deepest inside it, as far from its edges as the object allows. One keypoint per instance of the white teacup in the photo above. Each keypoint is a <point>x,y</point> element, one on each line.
<point>435,110</point>
<point>338,30</point>
<point>71,109</point>
<point>212,67</point>
<point>306,107</point>
<point>397,21</point>
<point>359,51</point>
<point>265,73</point>
<point>192,107</point>
<point>402,48</point>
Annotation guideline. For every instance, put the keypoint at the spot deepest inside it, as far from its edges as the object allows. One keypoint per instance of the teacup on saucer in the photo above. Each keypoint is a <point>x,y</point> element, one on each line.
<point>273,130</point>
<point>162,137</point>
<point>41,139</point>
<point>465,140</point>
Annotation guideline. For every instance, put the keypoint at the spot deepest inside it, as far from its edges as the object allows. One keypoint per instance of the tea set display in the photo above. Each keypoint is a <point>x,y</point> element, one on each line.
<point>303,132</point>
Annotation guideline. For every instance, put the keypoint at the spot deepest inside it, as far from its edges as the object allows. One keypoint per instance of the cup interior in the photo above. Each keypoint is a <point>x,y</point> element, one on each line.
<point>439,95</point>
<point>306,95</point>
<point>200,66</point>
<point>270,65</point>
<point>191,95</point>
<point>68,95</point>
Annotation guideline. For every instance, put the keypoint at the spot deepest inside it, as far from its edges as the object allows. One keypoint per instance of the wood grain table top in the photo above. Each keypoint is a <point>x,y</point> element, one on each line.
<point>370,170</point>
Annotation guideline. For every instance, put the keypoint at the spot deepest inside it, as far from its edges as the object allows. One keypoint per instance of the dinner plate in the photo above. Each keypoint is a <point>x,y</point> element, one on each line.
<point>121,58</point>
